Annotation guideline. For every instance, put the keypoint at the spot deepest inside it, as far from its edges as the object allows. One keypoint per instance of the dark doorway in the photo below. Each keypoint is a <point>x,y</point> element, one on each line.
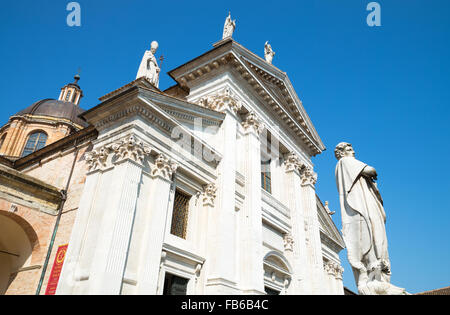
<point>270,291</point>
<point>174,285</point>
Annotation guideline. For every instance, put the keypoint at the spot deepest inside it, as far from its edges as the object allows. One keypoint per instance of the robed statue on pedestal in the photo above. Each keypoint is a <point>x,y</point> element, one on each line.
<point>149,66</point>
<point>363,223</point>
<point>229,27</point>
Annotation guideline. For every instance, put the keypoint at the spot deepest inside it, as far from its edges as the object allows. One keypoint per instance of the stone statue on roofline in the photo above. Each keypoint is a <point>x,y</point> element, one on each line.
<point>268,53</point>
<point>149,66</point>
<point>230,26</point>
<point>363,224</point>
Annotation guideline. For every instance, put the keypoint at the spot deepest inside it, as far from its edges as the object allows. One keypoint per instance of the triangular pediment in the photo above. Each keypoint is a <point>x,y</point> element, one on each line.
<point>279,92</point>
<point>270,84</point>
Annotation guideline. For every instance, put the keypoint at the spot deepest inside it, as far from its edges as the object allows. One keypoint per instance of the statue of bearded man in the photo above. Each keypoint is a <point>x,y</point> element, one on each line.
<point>363,223</point>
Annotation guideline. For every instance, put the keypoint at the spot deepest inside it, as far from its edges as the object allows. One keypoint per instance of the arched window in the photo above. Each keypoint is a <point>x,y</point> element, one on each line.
<point>36,141</point>
<point>68,95</point>
<point>2,140</point>
<point>277,274</point>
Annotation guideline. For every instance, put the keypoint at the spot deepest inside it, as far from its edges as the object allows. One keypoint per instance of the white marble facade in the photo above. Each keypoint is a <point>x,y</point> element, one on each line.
<point>207,143</point>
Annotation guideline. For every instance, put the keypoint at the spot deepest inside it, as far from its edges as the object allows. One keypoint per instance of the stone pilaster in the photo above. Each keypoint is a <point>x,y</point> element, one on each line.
<point>108,264</point>
<point>300,282</point>
<point>97,254</point>
<point>333,274</point>
<point>158,219</point>
<point>222,249</point>
<point>251,237</point>
<point>208,201</point>
<point>312,227</point>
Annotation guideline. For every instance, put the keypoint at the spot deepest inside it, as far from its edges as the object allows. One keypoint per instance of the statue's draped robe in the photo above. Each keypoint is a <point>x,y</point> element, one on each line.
<point>148,68</point>
<point>228,28</point>
<point>363,216</point>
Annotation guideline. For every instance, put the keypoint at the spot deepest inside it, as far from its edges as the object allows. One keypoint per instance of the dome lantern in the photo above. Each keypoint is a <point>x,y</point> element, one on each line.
<point>72,92</point>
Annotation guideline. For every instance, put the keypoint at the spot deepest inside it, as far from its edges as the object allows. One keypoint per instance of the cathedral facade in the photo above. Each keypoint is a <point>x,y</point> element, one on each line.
<point>206,187</point>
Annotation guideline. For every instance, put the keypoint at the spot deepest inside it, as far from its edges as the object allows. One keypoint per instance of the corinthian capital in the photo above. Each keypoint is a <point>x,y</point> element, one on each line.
<point>164,167</point>
<point>333,269</point>
<point>292,163</point>
<point>308,176</point>
<point>252,123</point>
<point>130,148</point>
<point>97,159</point>
<point>221,101</point>
<point>288,242</point>
<point>209,195</point>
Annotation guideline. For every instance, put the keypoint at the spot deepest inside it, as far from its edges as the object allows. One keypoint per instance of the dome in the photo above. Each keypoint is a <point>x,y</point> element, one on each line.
<point>56,109</point>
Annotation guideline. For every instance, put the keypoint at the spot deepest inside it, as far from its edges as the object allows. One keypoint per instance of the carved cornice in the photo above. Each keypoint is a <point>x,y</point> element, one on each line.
<point>135,110</point>
<point>252,123</point>
<point>164,167</point>
<point>209,195</point>
<point>221,101</point>
<point>333,269</point>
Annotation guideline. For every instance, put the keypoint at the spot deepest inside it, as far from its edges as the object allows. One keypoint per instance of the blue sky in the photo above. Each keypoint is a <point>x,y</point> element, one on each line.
<point>384,89</point>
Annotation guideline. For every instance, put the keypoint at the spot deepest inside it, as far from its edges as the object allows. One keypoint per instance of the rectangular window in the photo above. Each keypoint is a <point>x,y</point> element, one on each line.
<point>180,215</point>
<point>174,285</point>
<point>266,182</point>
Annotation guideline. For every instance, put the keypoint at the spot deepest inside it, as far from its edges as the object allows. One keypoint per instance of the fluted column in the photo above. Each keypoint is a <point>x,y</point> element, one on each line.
<point>222,274</point>
<point>108,263</point>
<point>301,281</point>
<point>312,228</point>
<point>251,237</point>
<point>206,224</point>
<point>157,217</point>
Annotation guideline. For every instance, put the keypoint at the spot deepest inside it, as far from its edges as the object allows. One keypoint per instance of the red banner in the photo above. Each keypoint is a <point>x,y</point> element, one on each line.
<point>56,270</point>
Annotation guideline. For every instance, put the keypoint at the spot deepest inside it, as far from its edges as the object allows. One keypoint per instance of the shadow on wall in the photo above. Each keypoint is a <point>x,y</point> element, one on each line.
<point>15,249</point>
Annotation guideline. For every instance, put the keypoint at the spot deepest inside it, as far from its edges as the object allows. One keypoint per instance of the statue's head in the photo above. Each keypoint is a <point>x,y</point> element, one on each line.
<point>154,46</point>
<point>344,149</point>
